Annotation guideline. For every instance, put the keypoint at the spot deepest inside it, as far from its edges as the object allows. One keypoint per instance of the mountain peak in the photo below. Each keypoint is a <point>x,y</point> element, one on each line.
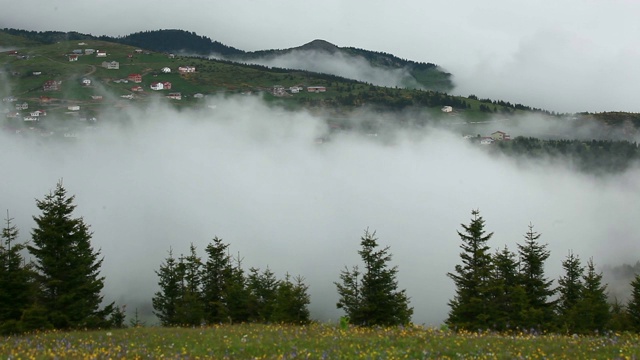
<point>319,45</point>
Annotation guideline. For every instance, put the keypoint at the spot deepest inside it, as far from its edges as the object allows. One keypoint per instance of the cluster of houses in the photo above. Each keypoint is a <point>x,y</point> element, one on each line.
<point>28,116</point>
<point>279,90</point>
<point>488,140</point>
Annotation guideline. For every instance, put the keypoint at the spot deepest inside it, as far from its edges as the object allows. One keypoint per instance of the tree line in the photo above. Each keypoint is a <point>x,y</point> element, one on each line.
<point>60,286</point>
<point>600,157</point>
<point>509,291</point>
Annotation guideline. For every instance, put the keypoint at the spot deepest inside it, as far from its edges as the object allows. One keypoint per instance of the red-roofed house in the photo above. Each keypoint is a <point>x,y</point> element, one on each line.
<point>136,78</point>
<point>167,85</point>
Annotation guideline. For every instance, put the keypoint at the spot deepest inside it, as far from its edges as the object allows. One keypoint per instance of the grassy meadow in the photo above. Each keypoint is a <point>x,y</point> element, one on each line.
<point>316,341</point>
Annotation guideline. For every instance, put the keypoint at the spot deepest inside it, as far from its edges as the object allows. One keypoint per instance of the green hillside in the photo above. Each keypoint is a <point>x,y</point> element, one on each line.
<point>421,75</point>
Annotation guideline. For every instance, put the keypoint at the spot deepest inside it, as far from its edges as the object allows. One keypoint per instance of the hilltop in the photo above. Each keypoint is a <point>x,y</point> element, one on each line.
<point>416,74</point>
<point>128,74</point>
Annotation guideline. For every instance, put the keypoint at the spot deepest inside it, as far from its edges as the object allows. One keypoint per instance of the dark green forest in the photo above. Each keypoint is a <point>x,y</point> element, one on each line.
<point>599,157</point>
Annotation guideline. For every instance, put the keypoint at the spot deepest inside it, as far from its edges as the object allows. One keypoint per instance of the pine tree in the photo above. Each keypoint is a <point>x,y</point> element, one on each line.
<point>471,307</point>
<point>349,289</point>
<point>167,301</point>
<point>262,288</point>
<point>217,282</point>
<point>292,300</point>
<point>16,280</point>
<point>68,268</point>
<point>190,309</point>
<point>570,292</point>
<point>593,307</point>
<point>507,294</point>
<point>374,299</point>
<point>540,310</point>
<point>633,305</point>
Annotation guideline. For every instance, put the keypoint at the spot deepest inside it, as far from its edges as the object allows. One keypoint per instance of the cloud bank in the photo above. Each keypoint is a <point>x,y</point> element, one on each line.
<point>254,176</point>
<point>351,67</point>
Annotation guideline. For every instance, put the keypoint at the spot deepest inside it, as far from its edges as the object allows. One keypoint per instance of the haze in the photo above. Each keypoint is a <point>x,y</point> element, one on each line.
<point>564,56</point>
<point>255,177</point>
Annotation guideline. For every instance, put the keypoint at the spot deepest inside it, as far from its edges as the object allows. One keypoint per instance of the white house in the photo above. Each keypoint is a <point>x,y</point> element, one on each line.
<point>89,51</point>
<point>157,86</point>
<point>86,82</point>
<point>175,96</point>
<point>101,54</point>
<point>73,107</point>
<point>111,65</point>
<point>447,109</point>
<point>486,141</point>
<point>38,113</point>
<point>166,70</point>
<point>186,69</point>
<point>30,118</point>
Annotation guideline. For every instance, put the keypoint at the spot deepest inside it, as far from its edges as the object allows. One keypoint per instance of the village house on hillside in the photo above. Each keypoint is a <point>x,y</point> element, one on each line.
<point>175,96</point>
<point>111,65</point>
<point>86,82</point>
<point>73,57</point>
<point>161,85</point>
<point>89,51</point>
<point>166,70</point>
<point>500,136</point>
<point>137,88</point>
<point>186,69</point>
<point>447,109</point>
<point>51,85</point>
<point>316,89</point>
<point>136,78</point>
<point>101,54</point>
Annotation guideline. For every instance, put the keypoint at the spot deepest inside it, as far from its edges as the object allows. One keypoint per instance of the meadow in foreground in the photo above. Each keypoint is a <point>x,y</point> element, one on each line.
<point>316,341</point>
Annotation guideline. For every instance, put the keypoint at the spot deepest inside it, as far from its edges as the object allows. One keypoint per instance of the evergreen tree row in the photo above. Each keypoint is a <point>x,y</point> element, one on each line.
<point>217,290</point>
<point>507,291</point>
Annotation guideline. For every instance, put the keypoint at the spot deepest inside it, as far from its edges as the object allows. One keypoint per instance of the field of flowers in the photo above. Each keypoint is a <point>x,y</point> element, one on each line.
<point>315,341</point>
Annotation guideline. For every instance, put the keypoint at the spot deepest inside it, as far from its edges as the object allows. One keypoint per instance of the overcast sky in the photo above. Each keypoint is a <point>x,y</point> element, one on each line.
<point>566,56</point>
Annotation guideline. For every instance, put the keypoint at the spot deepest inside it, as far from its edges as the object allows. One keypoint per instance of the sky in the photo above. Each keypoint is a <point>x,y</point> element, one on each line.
<point>255,177</point>
<point>563,56</point>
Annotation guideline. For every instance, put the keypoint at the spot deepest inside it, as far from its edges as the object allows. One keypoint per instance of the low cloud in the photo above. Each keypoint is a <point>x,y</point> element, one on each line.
<point>254,176</point>
<point>351,67</point>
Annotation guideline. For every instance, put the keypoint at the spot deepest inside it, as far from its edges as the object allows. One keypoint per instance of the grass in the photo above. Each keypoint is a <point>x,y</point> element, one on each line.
<point>315,341</point>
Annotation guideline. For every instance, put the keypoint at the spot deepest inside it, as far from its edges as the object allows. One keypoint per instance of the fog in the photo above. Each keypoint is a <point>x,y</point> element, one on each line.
<point>254,176</point>
<point>351,67</point>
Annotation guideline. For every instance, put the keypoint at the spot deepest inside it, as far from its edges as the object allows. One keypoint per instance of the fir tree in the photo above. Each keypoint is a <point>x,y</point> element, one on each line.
<point>217,282</point>
<point>633,306</point>
<point>508,296</point>
<point>374,299</point>
<point>16,285</point>
<point>167,301</point>
<point>190,309</point>
<point>570,292</point>
<point>471,307</point>
<point>593,307</point>
<point>349,289</point>
<point>292,300</point>
<point>262,288</point>
<point>68,268</point>
<point>539,313</point>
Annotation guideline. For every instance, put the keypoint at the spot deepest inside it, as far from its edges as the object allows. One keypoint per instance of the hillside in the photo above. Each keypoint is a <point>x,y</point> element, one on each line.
<point>411,74</point>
